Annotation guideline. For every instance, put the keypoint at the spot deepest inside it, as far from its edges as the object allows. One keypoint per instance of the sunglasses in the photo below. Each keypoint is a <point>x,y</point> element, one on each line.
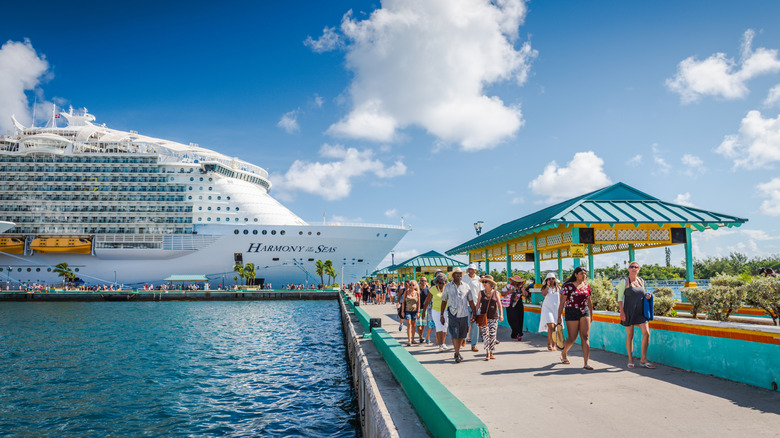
<point>633,267</point>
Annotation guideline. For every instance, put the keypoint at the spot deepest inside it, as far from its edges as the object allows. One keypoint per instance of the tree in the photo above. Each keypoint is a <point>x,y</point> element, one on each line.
<point>239,269</point>
<point>320,270</point>
<point>330,271</point>
<point>249,271</point>
<point>65,272</point>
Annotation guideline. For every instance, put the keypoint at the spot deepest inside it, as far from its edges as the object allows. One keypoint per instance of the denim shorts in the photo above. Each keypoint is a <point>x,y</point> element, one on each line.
<point>410,315</point>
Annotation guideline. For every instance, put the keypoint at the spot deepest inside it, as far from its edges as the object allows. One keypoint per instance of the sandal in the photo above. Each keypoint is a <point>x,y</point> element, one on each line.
<point>588,367</point>
<point>565,361</point>
<point>549,348</point>
<point>487,358</point>
<point>647,365</point>
<point>632,365</point>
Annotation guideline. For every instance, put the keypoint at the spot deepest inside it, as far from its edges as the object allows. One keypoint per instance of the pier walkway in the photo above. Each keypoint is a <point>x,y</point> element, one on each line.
<point>526,391</point>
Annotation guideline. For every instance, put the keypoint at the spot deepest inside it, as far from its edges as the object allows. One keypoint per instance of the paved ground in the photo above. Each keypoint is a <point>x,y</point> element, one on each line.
<point>527,391</point>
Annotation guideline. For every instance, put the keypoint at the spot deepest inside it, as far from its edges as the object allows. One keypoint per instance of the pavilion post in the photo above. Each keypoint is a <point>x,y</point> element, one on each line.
<point>537,274</point>
<point>415,274</point>
<point>688,259</point>
<point>487,262</point>
<point>508,263</point>
<point>560,266</point>
<point>631,255</point>
<point>575,238</point>
<point>591,269</point>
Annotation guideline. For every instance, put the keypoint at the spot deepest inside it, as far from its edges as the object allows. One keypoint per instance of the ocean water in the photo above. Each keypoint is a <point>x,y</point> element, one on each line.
<point>252,368</point>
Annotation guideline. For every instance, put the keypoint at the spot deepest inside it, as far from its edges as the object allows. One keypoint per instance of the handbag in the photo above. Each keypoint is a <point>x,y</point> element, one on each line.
<point>559,339</point>
<point>647,307</point>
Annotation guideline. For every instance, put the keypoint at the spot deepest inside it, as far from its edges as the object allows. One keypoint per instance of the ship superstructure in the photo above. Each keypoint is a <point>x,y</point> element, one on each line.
<point>103,199</point>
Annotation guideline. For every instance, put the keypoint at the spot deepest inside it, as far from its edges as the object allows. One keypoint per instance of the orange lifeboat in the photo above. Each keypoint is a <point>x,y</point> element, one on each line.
<point>12,245</point>
<point>68,245</point>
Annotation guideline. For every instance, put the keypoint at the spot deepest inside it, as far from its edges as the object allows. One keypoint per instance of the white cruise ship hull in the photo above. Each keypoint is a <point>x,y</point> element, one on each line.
<point>279,259</point>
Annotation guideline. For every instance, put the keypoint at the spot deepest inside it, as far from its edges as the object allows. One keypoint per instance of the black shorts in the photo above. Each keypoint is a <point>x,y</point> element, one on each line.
<point>574,314</point>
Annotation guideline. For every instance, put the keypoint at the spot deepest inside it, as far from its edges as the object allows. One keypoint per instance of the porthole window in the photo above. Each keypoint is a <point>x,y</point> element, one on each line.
<point>211,179</point>
<point>235,231</point>
<point>246,219</point>
<point>201,178</point>
<point>200,188</point>
<point>255,219</point>
<point>219,198</point>
<point>300,233</point>
<point>276,259</point>
<point>209,208</point>
<point>200,208</point>
<point>254,231</point>
<point>246,231</point>
<point>209,198</point>
<point>189,198</point>
<point>192,179</point>
<point>282,232</point>
<point>385,234</point>
<point>29,269</point>
<point>77,269</point>
<point>20,269</point>
<point>227,208</point>
<point>219,208</point>
<point>200,219</point>
<point>228,198</point>
<point>309,233</point>
<point>236,208</point>
<point>377,234</point>
<point>48,269</point>
<point>200,198</point>
<point>37,269</point>
<point>265,232</point>
<point>318,233</point>
<point>208,219</point>
<point>190,188</point>
<point>273,232</point>
<point>217,219</point>
<point>209,188</point>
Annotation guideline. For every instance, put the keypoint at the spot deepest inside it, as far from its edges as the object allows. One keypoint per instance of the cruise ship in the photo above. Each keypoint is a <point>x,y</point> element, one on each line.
<point>126,209</point>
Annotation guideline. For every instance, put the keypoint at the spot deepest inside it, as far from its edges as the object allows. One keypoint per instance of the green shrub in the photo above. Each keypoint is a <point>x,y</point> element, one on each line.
<point>764,293</point>
<point>695,297</point>
<point>724,296</point>
<point>663,302</point>
<point>603,294</point>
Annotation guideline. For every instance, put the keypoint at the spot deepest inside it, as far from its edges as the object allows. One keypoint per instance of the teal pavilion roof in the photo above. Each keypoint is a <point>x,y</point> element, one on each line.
<point>430,258</point>
<point>612,205</point>
<point>187,278</point>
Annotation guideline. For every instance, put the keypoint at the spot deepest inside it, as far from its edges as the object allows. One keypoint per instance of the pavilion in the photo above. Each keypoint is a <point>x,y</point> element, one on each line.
<point>612,219</point>
<point>426,265</point>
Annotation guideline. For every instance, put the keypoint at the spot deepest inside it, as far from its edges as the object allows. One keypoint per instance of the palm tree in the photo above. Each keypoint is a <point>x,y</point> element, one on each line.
<point>65,272</point>
<point>239,269</point>
<point>330,271</point>
<point>320,270</point>
<point>249,271</point>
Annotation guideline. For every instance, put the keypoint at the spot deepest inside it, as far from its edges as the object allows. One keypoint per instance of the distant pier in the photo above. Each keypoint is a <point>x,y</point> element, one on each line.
<point>171,295</point>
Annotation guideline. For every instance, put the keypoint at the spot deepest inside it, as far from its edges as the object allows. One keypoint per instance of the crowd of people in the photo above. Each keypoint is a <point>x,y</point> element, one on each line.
<point>467,306</point>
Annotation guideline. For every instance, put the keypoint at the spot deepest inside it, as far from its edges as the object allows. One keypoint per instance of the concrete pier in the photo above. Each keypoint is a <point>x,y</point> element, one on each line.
<point>528,391</point>
<point>171,295</point>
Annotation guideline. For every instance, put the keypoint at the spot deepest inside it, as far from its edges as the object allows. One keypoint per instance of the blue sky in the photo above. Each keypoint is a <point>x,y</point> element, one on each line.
<point>440,112</point>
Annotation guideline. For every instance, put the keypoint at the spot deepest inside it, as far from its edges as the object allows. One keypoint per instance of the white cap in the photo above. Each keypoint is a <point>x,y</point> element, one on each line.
<point>471,266</point>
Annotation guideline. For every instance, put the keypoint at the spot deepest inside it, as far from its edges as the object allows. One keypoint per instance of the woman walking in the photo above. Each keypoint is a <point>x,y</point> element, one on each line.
<point>421,322</point>
<point>579,308</point>
<point>434,300</point>
<point>631,296</point>
<point>410,305</point>
<point>552,300</point>
<point>512,299</point>
<point>490,305</point>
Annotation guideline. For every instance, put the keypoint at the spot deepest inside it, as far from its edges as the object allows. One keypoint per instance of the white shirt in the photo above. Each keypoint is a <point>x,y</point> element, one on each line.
<point>474,283</point>
<point>457,298</point>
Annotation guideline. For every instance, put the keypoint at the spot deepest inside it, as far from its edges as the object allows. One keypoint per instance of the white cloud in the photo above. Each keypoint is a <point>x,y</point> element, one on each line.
<point>770,190</point>
<point>683,199</point>
<point>584,173</point>
<point>427,64</point>
<point>391,213</point>
<point>333,180</point>
<point>660,163</point>
<point>773,98</point>
<point>758,235</point>
<point>722,76</point>
<point>330,40</point>
<point>21,69</point>
<point>693,165</point>
<point>318,101</point>
<point>518,200</point>
<point>756,145</point>
<point>289,122</point>
<point>635,161</point>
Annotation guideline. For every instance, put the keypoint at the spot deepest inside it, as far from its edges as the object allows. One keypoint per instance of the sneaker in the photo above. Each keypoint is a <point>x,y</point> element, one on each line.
<point>444,346</point>
<point>441,348</point>
<point>400,327</point>
<point>458,359</point>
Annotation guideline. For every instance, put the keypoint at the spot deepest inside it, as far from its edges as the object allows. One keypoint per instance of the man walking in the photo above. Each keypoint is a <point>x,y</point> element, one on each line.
<point>457,298</point>
<point>473,281</point>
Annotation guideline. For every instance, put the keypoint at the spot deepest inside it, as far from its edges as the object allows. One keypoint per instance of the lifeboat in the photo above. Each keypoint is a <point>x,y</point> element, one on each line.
<point>12,245</point>
<point>62,245</point>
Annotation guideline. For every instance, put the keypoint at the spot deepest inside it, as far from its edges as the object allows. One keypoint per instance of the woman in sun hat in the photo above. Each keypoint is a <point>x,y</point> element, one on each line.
<point>513,294</point>
<point>489,304</point>
<point>552,299</point>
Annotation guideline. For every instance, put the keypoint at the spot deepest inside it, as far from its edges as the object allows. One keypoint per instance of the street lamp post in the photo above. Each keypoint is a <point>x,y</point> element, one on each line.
<point>478,229</point>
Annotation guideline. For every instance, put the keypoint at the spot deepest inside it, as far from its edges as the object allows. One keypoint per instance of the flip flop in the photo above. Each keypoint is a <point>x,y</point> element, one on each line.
<point>588,367</point>
<point>565,361</point>
<point>631,365</point>
<point>647,365</point>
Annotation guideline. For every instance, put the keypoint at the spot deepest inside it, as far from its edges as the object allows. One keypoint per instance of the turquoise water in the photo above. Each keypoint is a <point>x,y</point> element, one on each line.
<point>260,368</point>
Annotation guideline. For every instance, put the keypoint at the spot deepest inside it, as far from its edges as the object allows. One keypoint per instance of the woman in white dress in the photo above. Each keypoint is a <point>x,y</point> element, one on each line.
<point>552,299</point>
